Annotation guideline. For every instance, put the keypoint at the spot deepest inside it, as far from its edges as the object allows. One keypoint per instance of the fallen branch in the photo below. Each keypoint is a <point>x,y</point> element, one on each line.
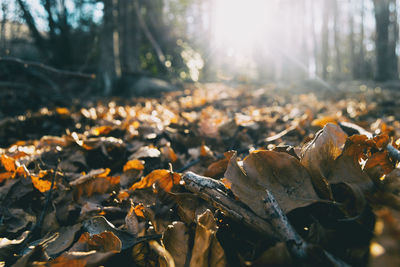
<point>278,227</point>
<point>214,192</point>
<point>28,64</point>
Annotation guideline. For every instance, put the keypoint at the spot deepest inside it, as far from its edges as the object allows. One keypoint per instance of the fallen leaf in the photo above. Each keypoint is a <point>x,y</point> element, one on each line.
<point>319,156</point>
<point>64,240</point>
<point>204,253</point>
<point>8,163</point>
<point>176,241</point>
<point>322,122</point>
<point>103,242</point>
<point>164,178</point>
<point>102,130</point>
<point>280,173</point>
<point>134,164</point>
<point>218,168</point>
<point>40,184</point>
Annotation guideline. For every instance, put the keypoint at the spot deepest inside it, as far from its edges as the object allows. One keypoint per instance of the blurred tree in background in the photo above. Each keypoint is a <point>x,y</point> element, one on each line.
<point>212,40</point>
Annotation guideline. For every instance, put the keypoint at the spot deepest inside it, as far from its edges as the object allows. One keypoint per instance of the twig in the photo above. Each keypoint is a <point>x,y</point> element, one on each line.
<point>279,135</point>
<point>276,228</point>
<point>213,192</point>
<point>50,69</point>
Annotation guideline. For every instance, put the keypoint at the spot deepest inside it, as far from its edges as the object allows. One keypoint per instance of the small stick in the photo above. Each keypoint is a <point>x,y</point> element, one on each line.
<point>213,192</point>
<point>47,68</point>
<point>279,135</point>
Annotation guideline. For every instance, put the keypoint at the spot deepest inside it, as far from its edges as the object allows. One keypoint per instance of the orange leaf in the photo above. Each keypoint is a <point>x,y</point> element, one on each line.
<point>169,153</point>
<point>134,164</point>
<point>21,171</point>
<point>103,242</point>
<point>62,111</point>
<point>381,159</point>
<point>8,163</point>
<point>41,185</point>
<point>139,210</point>
<point>226,183</point>
<point>123,195</point>
<point>102,130</point>
<point>381,140</point>
<point>321,122</point>
<point>164,178</point>
<point>204,150</point>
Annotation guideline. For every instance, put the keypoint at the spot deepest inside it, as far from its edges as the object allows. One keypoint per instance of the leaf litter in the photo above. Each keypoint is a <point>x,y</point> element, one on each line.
<point>209,176</point>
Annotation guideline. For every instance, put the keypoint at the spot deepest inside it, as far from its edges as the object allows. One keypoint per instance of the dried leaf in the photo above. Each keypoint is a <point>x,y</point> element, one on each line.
<point>40,184</point>
<point>319,156</point>
<point>218,168</point>
<point>132,222</point>
<point>176,241</point>
<point>134,165</point>
<point>102,130</point>
<point>8,163</point>
<point>278,172</point>
<point>64,240</point>
<point>202,253</point>
<point>322,122</point>
<point>103,242</point>
<point>379,159</point>
<point>164,178</point>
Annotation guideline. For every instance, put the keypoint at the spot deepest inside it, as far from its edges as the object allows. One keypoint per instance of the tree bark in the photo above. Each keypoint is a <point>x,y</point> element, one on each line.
<point>325,40</point>
<point>315,41</point>
<point>383,53</point>
<point>107,66</point>
<point>336,36</point>
<point>352,63</point>
<point>361,56</point>
<point>39,40</point>
<point>129,37</point>
<point>393,40</point>
<point>3,41</point>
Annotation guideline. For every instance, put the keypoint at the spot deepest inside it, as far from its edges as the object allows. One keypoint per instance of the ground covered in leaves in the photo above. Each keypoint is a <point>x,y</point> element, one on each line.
<point>208,176</point>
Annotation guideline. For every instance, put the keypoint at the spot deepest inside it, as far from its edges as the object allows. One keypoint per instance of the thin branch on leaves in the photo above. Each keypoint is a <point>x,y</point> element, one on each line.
<point>276,227</point>
<point>32,64</point>
<point>213,192</point>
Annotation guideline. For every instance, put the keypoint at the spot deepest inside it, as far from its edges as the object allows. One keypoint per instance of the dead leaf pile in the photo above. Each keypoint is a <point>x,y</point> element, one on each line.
<point>277,178</point>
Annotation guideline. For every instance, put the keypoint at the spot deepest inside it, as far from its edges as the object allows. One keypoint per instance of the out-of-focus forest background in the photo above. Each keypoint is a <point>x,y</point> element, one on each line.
<point>198,40</point>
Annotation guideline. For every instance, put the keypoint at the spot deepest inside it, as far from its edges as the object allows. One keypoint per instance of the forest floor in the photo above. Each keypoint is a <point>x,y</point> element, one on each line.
<point>207,176</point>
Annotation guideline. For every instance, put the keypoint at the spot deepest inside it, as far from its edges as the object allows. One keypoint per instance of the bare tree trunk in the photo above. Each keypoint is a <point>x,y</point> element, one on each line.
<point>325,40</point>
<point>37,37</point>
<point>393,40</point>
<point>149,35</point>
<point>129,37</point>
<point>117,59</point>
<point>315,41</point>
<point>382,18</point>
<point>336,36</point>
<point>361,56</point>
<point>3,37</point>
<point>352,63</point>
<point>107,66</point>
